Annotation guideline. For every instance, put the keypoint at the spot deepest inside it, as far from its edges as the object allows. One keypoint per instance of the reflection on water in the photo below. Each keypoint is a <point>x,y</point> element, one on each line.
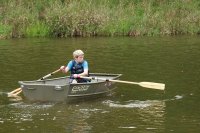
<point>32,106</point>
<point>4,99</point>
<point>23,116</point>
<point>78,122</point>
<point>84,117</point>
<point>133,104</point>
<point>150,112</point>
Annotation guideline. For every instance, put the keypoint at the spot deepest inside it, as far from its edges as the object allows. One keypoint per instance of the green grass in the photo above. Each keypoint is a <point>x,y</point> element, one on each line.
<point>5,30</point>
<point>63,18</point>
<point>38,29</point>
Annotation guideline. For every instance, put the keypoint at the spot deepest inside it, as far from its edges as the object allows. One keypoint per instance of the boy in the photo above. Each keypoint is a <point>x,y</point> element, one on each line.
<point>78,67</point>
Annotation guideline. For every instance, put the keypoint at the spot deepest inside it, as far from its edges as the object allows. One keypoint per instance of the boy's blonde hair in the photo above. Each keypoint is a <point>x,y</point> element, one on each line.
<point>77,53</point>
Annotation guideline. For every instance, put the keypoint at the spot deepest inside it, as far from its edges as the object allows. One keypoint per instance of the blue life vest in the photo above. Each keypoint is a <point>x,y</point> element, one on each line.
<point>77,68</point>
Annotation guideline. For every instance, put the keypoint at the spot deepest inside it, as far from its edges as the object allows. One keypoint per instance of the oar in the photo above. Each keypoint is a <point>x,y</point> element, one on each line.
<point>152,85</point>
<point>19,90</point>
<point>50,74</point>
<point>15,92</point>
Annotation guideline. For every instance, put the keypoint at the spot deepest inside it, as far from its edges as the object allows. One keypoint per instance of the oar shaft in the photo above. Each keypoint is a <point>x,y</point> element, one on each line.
<point>126,82</point>
<point>50,74</point>
<point>15,92</point>
<point>119,81</point>
<point>151,85</point>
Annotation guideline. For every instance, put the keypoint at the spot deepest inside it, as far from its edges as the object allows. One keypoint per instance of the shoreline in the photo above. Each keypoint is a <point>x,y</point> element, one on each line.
<point>65,18</point>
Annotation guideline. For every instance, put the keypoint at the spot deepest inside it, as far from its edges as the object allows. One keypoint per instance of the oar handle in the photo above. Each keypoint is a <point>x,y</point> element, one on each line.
<point>50,74</point>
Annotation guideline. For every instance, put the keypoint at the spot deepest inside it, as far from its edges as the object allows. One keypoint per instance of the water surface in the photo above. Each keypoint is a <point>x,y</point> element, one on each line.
<point>130,108</point>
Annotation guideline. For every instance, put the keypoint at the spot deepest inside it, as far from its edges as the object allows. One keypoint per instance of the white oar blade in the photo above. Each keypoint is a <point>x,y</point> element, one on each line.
<point>152,85</point>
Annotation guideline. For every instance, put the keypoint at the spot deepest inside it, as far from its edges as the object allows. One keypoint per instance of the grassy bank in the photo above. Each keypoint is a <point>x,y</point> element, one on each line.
<point>63,18</point>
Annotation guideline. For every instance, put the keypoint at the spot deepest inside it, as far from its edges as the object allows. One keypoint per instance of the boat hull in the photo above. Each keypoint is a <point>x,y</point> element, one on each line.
<point>59,89</point>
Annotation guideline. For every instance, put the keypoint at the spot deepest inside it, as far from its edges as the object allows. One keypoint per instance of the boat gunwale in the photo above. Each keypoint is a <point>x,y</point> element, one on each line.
<point>37,82</point>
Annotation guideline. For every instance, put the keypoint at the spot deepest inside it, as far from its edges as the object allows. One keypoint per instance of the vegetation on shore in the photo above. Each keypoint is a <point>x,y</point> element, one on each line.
<point>63,18</point>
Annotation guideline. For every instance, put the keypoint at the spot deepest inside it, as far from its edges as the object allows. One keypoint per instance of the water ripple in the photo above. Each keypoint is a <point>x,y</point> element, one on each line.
<point>132,104</point>
<point>22,105</point>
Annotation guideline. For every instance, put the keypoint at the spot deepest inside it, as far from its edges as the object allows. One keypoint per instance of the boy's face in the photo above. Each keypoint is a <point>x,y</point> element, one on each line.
<point>80,58</point>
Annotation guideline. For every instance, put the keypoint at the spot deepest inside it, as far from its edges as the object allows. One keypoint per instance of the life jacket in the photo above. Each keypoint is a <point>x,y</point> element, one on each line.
<point>77,68</point>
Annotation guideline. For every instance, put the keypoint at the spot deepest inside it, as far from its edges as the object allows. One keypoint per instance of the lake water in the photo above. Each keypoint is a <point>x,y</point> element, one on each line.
<point>130,108</point>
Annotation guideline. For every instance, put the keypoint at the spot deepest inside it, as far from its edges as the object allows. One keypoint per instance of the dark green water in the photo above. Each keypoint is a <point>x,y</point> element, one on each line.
<point>130,108</point>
